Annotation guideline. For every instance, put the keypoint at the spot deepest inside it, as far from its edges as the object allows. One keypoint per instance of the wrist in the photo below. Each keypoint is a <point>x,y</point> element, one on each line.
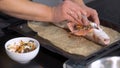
<point>51,14</point>
<point>55,14</point>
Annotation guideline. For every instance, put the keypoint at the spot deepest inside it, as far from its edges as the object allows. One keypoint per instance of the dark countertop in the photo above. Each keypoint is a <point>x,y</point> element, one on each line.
<point>45,58</point>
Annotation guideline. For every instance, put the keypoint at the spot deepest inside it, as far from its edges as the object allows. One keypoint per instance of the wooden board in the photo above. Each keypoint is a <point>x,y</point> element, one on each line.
<point>66,42</point>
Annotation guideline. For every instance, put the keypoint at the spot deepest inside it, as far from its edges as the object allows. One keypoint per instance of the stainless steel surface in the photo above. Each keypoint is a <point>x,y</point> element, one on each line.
<point>107,62</point>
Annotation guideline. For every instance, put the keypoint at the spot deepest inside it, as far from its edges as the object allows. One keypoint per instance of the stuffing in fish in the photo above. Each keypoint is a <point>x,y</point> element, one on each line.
<point>92,32</point>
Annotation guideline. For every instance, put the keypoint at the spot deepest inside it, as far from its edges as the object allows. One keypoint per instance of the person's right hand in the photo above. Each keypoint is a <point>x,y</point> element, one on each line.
<point>69,11</point>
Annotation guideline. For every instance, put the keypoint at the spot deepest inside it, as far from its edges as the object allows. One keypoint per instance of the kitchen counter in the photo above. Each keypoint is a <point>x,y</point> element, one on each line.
<point>45,58</point>
<point>22,29</point>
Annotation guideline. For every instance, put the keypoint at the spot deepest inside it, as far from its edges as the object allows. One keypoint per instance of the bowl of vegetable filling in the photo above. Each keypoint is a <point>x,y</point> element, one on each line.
<point>22,49</point>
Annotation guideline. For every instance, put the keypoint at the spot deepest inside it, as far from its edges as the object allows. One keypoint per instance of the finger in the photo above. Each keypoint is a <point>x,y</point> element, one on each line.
<point>78,13</point>
<point>81,18</point>
<point>69,15</point>
<point>77,21</point>
<point>85,21</point>
<point>82,11</point>
<point>75,15</point>
<point>95,17</point>
<point>71,19</point>
<point>78,9</point>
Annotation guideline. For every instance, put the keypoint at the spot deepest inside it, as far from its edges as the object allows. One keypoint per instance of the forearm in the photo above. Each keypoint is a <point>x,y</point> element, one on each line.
<point>26,9</point>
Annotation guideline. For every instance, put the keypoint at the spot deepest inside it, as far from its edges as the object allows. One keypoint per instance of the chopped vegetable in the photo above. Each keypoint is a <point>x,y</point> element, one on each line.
<point>22,47</point>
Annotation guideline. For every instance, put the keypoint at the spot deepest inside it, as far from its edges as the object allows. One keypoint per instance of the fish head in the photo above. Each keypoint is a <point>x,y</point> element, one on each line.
<point>102,37</point>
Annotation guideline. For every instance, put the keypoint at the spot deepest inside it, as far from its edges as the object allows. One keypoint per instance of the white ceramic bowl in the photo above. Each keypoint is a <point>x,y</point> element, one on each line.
<point>22,57</point>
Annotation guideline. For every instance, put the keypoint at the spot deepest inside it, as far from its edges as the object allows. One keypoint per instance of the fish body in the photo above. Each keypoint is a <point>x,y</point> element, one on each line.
<point>92,32</point>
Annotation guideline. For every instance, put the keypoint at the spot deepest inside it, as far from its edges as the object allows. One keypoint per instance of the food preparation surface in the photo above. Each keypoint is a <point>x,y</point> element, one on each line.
<point>44,59</point>
<point>68,43</point>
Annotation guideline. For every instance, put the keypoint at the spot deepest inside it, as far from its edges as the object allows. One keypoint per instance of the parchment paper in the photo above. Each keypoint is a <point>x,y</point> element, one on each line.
<point>67,42</point>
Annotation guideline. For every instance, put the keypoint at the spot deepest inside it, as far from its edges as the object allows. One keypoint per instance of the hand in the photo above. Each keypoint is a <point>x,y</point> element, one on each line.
<point>69,11</point>
<point>91,14</point>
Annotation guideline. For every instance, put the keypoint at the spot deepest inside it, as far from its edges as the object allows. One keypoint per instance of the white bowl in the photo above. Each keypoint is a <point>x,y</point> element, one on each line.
<point>22,57</point>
